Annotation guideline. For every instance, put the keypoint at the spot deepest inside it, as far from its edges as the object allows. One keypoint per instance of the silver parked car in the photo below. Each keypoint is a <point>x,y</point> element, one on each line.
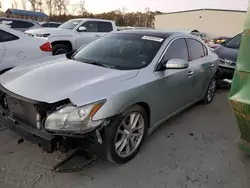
<point>117,89</point>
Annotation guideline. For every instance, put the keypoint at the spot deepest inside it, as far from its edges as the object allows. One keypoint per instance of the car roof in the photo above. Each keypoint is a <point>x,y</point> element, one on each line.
<point>18,19</point>
<point>156,33</point>
<point>92,19</point>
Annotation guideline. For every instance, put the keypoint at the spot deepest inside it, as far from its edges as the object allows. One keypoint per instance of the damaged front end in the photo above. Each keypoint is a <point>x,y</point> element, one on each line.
<point>52,126</point>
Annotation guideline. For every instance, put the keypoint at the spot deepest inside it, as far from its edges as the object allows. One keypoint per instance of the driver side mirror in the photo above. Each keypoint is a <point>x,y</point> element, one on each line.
<point>176,64</point>
<point>82,29</point>
<point>173,64</point>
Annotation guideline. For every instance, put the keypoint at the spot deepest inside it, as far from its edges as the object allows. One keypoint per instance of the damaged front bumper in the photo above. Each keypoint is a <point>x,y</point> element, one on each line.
<point>45,140</point>
<point>27,118</point>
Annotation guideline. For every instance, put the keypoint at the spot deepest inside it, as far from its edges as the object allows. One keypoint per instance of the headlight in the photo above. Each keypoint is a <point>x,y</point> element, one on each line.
<point>74,119</point>
<point>43,35</point>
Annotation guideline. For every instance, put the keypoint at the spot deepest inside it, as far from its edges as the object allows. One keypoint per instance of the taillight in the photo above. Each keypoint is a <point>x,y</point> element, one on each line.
<point>46,47</point>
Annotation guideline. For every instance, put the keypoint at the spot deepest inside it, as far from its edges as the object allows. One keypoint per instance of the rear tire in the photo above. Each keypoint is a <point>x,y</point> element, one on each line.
<point>59,49</point>
<point>210,93</point>
<point>122,140</point>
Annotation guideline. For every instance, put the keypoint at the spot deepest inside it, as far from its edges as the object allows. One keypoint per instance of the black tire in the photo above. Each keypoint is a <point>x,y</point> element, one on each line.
<point>60,49</point>
<point>210,91</point>
<point>111,132</point>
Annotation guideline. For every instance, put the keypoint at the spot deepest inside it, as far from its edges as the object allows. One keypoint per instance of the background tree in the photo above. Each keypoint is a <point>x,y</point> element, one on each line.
<point>24,4</point>
<point>33,4</point>
<point>14,4</point>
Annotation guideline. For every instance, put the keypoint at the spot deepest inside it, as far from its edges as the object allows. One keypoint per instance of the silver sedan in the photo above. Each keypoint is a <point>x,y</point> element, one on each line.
<point>118,89</point>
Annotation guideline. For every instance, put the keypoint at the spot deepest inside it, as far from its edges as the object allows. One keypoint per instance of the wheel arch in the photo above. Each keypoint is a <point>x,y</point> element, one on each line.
<point>63,42</point>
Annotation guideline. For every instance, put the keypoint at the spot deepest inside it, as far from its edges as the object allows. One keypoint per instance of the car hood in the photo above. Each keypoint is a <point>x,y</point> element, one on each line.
<point>59,78</point>
<point>227,53</point>
<point>52,31</point>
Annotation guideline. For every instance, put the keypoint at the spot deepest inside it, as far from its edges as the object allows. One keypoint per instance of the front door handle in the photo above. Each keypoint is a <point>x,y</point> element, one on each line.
<point>211,65</point>
<point>190,73</point>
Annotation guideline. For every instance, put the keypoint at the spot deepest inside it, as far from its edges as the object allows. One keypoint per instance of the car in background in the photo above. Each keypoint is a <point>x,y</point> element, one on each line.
<point>121,28</point>
<point>115,90</point>
<point>204,36</point>
<point>74,33</point>
<point>228,52</point>
<point>17,48</point>
<point>19,24</point>
<point>220,39</point>
<point>50,24</point>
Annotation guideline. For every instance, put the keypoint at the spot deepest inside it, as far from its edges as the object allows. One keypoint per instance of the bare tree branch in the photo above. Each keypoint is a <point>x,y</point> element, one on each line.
<point>24,4</point>
<point>33,4</point>
<point>14,4</point>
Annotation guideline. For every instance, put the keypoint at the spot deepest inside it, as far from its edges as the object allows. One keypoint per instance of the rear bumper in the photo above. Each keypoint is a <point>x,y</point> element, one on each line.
<point>45,140</point>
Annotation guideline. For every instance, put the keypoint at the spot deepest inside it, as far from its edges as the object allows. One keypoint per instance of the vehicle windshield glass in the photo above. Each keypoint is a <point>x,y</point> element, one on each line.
<point>71,24</point>
<point>123,51</point>
<point>234,42</point>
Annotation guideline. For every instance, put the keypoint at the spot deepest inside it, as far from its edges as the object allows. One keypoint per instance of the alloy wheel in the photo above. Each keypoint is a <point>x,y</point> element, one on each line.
<point>129,134</point>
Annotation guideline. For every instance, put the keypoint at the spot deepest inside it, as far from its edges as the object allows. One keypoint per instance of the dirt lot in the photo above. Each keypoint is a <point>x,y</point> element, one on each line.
<point>195,149</point>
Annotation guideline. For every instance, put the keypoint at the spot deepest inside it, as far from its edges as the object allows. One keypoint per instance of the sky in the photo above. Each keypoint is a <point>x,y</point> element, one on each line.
<point>98,6</point>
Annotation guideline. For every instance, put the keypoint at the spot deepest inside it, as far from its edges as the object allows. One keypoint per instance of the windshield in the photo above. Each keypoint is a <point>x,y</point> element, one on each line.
<point>234,42</point>
<point>71,24</point>
<point>121,51</point>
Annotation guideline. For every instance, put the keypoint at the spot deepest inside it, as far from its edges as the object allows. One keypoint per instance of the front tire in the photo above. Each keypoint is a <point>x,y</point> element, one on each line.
<point>210,93</point>
<point>59,49</point>
<point>124,137</point>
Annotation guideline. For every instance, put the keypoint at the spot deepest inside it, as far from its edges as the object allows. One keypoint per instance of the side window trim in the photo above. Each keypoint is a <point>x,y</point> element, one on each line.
<point>165,50</point>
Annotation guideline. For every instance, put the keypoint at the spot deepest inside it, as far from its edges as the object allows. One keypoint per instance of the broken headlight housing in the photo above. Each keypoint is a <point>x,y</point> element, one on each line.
<point>74,119</point>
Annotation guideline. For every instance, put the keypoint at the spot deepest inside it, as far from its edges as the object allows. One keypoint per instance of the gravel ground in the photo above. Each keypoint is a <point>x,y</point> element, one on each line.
<point>195,149</point>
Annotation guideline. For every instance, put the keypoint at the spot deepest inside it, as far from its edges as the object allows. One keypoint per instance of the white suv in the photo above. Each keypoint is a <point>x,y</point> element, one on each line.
<point>74,33</point>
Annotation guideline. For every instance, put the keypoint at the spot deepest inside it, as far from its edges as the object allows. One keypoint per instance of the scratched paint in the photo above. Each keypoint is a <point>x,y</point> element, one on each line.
<point>239,95</point>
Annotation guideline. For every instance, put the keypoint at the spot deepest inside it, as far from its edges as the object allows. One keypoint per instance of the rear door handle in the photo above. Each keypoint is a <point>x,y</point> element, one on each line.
<point>190,73</point>
<point>211,65</point>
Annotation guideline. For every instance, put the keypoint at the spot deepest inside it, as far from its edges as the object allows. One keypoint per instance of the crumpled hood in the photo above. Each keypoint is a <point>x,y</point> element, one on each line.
<point>51,31</point>
<point>54,79</point>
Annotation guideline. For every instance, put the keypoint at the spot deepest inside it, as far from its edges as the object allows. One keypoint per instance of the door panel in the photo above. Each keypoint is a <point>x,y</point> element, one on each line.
<point>89,35</point>
<point>175,86</point>
<point>173,90</point>
<point>200,65</point>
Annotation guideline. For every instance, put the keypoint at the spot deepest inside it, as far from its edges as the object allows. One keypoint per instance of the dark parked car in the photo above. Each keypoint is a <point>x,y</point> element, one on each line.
<point>228,53</point>
<point>221,39</point>
<point>50,24</point>
<point>19,24</point>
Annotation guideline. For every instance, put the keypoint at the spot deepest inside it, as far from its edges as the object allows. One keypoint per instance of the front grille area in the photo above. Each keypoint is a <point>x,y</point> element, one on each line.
<point>22,111</point>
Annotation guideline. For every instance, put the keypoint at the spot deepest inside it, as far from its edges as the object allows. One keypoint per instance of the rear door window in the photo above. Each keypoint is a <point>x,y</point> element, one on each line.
<point>196,49</point>
<point>105,27</point>
<point>177,50</point>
